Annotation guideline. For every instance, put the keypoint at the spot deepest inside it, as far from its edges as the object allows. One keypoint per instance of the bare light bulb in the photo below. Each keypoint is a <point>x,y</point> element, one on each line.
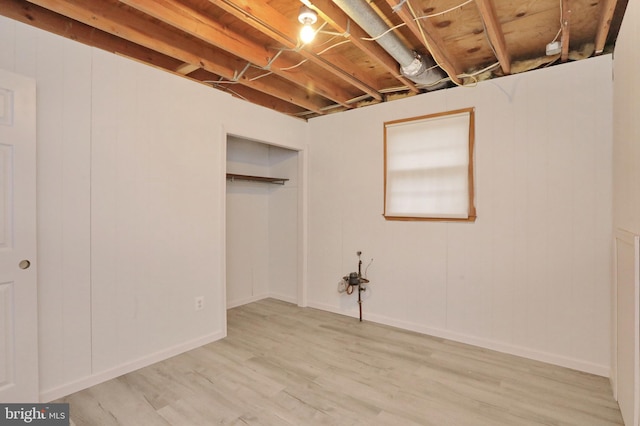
<point>307,17</point>
<point>307,33</point>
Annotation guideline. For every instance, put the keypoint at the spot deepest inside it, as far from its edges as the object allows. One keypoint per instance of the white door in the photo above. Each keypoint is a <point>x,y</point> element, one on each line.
<point>18,291</point>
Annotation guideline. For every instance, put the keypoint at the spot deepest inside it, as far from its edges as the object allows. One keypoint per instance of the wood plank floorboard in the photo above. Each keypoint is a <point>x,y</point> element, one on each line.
<point>285,365</point>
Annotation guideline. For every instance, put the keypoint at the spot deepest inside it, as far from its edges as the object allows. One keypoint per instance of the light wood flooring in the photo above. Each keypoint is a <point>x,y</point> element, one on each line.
<point>284,365</point>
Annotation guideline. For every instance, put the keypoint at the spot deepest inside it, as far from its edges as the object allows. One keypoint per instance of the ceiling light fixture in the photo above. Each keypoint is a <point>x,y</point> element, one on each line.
<point>307,18</point>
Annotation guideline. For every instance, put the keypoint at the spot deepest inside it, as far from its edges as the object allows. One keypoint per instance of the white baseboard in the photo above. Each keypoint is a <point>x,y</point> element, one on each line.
<point>244,301</point>
<point>240,302</point>
<point>97,378</point>
<point>284,298</point>
<point>550,358</point>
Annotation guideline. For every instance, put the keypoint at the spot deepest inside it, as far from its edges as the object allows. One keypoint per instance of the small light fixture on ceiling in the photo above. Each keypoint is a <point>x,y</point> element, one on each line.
<point>307,18</point>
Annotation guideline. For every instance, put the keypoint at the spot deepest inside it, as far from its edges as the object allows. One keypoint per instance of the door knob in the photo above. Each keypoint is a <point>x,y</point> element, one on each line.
<point>24,264</point>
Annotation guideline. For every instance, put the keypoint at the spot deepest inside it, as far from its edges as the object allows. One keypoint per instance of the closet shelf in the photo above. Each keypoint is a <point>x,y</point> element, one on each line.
<point>277,181</point>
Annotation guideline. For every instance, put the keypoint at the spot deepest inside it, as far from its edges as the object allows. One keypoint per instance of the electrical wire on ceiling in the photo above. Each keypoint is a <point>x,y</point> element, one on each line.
<point>466,75</point>
<point>236,76</point>
<point>258,77</point>
<point>476,73</point>
<point>561,24</point>
<point>294,66</point>
<point>416,19</point>
<point>486,32</point>
<point>224,84</point>
<point>267,67</point>
<point>319,53</point>
<point>280,50</point>
<point>426,43</point>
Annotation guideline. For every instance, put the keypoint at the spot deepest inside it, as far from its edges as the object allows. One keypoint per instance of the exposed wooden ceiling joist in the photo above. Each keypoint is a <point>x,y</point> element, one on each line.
<point>424,31</point>
<point>249,94</point>
<point>108,17</point>
<point>200,26</point>
<point>566,30</point>
<point>186,69</point>
<point>250,48</point>
<point>45,19</point>
<point>269,21</point>
<point>607,9</point>
<point>495,34</point>
<point>332,14</point>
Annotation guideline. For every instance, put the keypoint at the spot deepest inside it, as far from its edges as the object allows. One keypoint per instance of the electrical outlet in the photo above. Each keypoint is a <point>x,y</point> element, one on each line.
<point>199,303</point>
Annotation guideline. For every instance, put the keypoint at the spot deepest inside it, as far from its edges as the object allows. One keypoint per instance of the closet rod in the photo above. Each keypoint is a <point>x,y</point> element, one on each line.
<point>277,181</point>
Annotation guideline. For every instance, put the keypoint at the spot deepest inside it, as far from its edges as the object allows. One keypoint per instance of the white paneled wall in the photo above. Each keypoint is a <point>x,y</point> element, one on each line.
<point>154,216</point>
<point>63,78</point>
<point>284,221</point>
<point>532,275</point>
<point>626,124</point>
<point>130,206</point>
<point>626,206</point>
<point>247,244</point>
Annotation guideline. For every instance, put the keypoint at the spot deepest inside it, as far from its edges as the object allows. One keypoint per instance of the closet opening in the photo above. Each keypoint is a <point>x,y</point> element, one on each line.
<point>262,222</point>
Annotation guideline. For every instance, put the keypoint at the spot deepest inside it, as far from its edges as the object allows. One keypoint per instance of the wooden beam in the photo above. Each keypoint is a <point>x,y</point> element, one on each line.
<point>607,9</point>
<point>494,33</point>
<point>107,16</point>
<point>201,26</point>
<point>427,34</point>
<point>334,16</point>
<point>566,30</point>
<point>52,22</point>
<point>293,93</point>
<point>248,94</point>
<point>273,24</point>
<point>186,68</point>
<point>192,22</point>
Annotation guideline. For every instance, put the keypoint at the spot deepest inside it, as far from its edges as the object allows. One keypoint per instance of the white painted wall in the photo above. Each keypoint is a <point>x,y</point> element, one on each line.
<point>532,275</point>
<point>284,236</point>
<point>247,244</point>
<point>155,217</point>
<point>262,220</point>
<point>626,124</point>
<point>63,82</point>
<point>131,209</point>
<point>626,211</point>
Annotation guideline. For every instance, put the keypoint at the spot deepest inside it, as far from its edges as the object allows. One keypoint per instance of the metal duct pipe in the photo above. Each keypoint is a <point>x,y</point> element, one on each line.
<point>412,66</point>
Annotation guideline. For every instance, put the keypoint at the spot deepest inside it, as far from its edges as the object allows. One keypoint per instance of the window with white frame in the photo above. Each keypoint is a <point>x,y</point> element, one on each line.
<point>428,167</point>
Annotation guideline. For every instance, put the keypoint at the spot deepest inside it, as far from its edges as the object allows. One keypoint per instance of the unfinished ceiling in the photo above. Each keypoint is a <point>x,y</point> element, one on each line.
<point>252,50</point>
